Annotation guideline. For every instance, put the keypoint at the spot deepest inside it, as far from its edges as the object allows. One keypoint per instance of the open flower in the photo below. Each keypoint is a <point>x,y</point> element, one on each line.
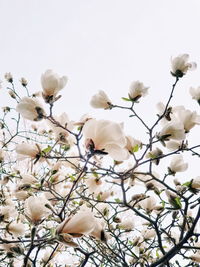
<point>52,84</point>
<point>148,204</point>
<point>26,150</point>
<point>196,183</point>
<point>105,137</point>
<point>188,118</point>
<point>62,133</point>
<point>98,231</point>
<point>177,165</point>
<point>172,130</point>
<point>82,223</point>
<point>195,93</point>
<point>155,155</point>
<point>35,209</point>
<point>180,65</point>
<point>31,109</point>
<point>100,100</point>
<point>137,90</point>
<point>16,228</point>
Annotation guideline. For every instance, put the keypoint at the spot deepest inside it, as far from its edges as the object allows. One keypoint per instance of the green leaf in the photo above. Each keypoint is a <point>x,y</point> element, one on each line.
<point>157,254</point>
<point>126,99</point>
<point>188,184</point>
<point>46,150</point>
<point>178,202</point>
<point>117,200</point>
<point>95,175</point>
<point>99,197</point>
<point>135,148</point>
<point>72,178</point>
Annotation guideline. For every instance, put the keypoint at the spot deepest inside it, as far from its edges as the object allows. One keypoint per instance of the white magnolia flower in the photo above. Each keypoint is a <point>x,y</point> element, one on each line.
<point>25,183</point>
<point>16,228</point>
<point>180,65</point>
<point>195,93</point>
<point>196,183</point>
<point>100,100</point>
<point>148,203</point>
<point>162,111</point>
<point>148,233</point>
<point>24,82</point>
<point>155,155</point>
<point>8,76</point>
<point>106,136</point>
<point>83,222</point>
<point>172,130</point>
<point>173,199</point>
<point>52,84</point>
<point>127,224</point>
<point>195,257</point>
<point>188,118</point>
<point>137,90</point>
<point>177,164</point>
<point>31,109</point>
<point>2,155</point>
<point>98,231</point>
<point>26,150</point>
<point>8,211</point>
<point>61,134</point>
<point>35,210</point>
<point>174,145</point>
<point>94,184</point>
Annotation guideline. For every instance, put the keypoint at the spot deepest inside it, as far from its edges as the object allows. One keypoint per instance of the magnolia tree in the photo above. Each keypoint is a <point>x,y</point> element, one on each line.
<point>83,193</point>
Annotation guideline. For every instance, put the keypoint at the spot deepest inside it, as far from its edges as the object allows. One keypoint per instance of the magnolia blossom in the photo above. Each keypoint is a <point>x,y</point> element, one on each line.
<point>180,65</point>
<point>174,145</point>
<point>155,155</point>
<point>104,136</point>
<point>2,155</point>
<point>94,184</point>
<point>195,93</point>
<point>62,133</point>
<point>127,224</point>
<point>82,223</point>
<point>148,233</point>
<point>162,111</point>
<point>172,130</point>
<point>188,118</point>
<point>35,209</point>
<point>98,231</point>
<point>100,100</point>
<point>26,150</point>
<point>196,183</point>
<point>25,183</point>
<point>137,90</point>
<point>177,164</point>
<point>52,84</point>
<point>16,228</point>
<point>24,82</point>
<point>173,199</point>
<point>8,211</point>
<point>148,203</point>
<point>31,109</point>
<point>8,76</point>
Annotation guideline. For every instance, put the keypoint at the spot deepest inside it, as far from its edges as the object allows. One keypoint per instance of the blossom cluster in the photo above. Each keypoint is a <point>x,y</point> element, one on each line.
<point>86,192</point>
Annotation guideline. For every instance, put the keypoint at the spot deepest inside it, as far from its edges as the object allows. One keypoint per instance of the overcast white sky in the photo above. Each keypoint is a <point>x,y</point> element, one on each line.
<point>100,44</point>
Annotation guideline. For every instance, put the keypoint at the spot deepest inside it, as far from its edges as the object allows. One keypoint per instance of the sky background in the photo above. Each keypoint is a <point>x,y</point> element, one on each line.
<point>101,44</point>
